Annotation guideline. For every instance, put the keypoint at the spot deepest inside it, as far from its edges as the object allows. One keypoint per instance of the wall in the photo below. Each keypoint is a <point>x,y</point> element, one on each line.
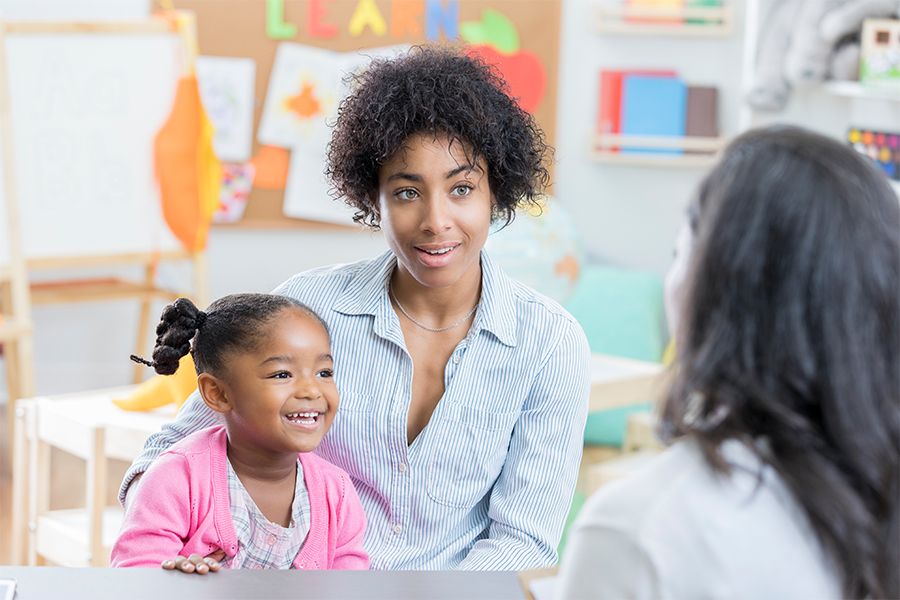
<point>629,215</point>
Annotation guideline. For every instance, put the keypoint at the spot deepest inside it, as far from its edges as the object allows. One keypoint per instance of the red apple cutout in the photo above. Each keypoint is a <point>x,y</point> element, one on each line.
<point>523,72</point>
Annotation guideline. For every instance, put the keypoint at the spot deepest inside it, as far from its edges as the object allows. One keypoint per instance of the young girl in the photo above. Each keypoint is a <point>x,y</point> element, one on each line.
<point>784,481</point>
<point>252,488</point>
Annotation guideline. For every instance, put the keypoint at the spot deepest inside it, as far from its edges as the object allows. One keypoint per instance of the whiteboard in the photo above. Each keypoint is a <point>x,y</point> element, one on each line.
<point>85,110</point>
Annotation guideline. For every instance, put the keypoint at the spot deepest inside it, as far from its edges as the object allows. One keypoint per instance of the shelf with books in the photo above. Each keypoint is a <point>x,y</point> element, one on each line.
<point>663,18</point>
<point>649,150</point>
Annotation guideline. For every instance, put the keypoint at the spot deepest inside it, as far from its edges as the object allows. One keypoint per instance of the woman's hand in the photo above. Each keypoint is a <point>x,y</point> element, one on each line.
<point>195,563</point>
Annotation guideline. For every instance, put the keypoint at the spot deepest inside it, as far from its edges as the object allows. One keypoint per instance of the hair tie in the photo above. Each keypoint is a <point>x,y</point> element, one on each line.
<point>200,319</point>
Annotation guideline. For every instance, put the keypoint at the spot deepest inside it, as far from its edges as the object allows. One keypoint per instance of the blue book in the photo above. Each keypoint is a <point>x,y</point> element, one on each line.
<point>653,105</point>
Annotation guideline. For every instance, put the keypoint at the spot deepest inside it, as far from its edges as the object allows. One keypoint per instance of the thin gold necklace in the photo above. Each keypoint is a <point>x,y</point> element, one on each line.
<point>403,310</point>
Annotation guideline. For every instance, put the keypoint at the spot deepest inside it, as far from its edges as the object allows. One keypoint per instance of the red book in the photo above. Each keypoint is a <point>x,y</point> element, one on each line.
<point>609,116</point>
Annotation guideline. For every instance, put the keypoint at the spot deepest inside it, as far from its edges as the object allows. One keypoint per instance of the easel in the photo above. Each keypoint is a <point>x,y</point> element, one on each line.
<point>18,294</point>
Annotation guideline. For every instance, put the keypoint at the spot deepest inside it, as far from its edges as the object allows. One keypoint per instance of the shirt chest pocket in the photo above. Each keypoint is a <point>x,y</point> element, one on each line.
<point>470,448</point>
<point>347,443</point>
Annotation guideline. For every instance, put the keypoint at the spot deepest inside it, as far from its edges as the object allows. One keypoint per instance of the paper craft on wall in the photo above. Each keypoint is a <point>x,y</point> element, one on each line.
<point>307,193</point>
<point>237,180</point>
<point>305,87</point>
<point>226,89</point>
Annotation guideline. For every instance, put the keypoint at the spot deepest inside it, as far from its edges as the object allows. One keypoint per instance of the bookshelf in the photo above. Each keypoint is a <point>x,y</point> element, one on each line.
<point>653,20</point>
<point>697,151</point>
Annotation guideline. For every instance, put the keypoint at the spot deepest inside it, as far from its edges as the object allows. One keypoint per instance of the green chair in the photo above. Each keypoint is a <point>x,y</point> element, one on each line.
<point>621,312</point>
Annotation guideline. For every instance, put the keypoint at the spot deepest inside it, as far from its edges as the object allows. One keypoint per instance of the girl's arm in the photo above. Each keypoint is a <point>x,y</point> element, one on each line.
<point>159,516</point>
<point>193,416</point>
<point>531,499</point>
<point>349,553</point>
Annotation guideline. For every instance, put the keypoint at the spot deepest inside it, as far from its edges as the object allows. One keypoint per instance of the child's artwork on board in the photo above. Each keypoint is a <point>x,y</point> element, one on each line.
<point>305,88</point>
<point>237,181</point>
<point>306,194</point>
<point>226,89</point>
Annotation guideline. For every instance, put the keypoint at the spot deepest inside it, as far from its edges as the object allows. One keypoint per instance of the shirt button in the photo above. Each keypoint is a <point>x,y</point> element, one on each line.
<point>257,566</point>
<point>271,540</point>
<point>301,565</point>
<point>456,359</point>
<point>398,529</point>
<point>402,467</point>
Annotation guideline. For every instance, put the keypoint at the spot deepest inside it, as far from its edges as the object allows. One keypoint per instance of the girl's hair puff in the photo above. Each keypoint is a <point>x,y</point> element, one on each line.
<point>435,89</point>
<point>235,323</point>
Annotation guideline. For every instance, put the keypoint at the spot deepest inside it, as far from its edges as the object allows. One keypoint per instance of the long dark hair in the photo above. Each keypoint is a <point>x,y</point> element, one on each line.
<point>791,338</point>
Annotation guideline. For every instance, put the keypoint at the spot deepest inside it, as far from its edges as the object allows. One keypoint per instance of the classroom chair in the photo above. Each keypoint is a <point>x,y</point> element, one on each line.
<point>621,312</point>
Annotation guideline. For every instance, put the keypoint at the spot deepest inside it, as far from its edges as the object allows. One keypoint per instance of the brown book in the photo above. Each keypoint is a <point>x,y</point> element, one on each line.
<point>702,112</point>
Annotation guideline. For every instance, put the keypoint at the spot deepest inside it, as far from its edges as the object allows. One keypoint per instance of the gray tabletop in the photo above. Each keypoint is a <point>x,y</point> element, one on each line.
<point>98,584</point>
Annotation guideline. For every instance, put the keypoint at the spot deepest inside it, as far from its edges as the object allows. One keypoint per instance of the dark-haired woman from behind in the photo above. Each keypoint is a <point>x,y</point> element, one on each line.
<point>784,476</point>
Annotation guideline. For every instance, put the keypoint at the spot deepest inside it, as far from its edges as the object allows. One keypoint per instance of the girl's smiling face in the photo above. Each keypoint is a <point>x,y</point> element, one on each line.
<point>280,397</point>
<point>435,209</point>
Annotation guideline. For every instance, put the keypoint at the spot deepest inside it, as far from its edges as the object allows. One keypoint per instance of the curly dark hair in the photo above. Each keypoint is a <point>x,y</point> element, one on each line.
<point>439,89</point>
<point>230,324</point>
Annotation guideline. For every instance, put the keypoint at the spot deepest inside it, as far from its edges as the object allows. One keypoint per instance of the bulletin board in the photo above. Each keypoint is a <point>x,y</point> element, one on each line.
<point>85,109</point>
<point>237,28</point>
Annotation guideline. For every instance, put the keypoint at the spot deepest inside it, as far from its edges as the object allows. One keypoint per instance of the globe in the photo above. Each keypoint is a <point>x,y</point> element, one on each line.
<point>541,248</point>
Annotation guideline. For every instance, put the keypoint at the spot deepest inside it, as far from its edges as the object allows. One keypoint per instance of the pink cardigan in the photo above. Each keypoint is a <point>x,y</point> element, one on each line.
<point>181,507</point>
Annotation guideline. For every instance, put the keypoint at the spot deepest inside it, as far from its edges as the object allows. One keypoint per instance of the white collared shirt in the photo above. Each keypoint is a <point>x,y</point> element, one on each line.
<point>488,483</point>
<point>678,529</point>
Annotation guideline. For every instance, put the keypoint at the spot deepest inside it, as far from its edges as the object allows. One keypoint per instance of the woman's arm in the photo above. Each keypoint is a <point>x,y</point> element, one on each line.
<point>159,516</point>
<point>531,499</point>
<point>193,416</point>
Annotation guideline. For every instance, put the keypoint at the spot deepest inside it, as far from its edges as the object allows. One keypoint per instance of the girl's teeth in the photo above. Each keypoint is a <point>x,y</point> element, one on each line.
<point>444,251</point>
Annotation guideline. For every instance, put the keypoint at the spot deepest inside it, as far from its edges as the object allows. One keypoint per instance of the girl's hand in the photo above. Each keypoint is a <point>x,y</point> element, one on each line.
<point>195,563</point>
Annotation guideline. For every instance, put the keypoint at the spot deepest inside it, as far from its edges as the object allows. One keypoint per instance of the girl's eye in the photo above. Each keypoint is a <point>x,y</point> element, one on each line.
<point>461,190</point>
<point>407,194</point>
<point>326,373</point>
<point>281,375</point>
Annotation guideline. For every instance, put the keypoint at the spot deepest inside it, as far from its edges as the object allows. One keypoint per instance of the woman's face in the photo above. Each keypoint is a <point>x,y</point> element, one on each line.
<point>435,210</point>
<point>674,284</point>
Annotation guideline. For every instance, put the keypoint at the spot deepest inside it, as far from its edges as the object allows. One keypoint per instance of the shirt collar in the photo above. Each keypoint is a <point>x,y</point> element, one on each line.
<point>367,294</point>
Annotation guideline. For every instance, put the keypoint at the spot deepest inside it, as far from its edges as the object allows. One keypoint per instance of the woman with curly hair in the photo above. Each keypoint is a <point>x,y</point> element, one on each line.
<point>463,393</point>
<point>783,480</point>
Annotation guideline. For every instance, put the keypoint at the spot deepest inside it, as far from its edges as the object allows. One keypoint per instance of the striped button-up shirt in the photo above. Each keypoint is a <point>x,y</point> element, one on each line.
<point>488,482</point>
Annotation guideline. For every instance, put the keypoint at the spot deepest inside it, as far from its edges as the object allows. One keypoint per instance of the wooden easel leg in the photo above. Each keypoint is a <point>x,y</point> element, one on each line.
<point>144,321</point>
<point>201,279</point>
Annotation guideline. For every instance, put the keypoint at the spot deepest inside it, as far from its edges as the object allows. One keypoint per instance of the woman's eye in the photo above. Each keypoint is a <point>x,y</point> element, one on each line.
<point>407,194</point>
<point>461,190</point>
